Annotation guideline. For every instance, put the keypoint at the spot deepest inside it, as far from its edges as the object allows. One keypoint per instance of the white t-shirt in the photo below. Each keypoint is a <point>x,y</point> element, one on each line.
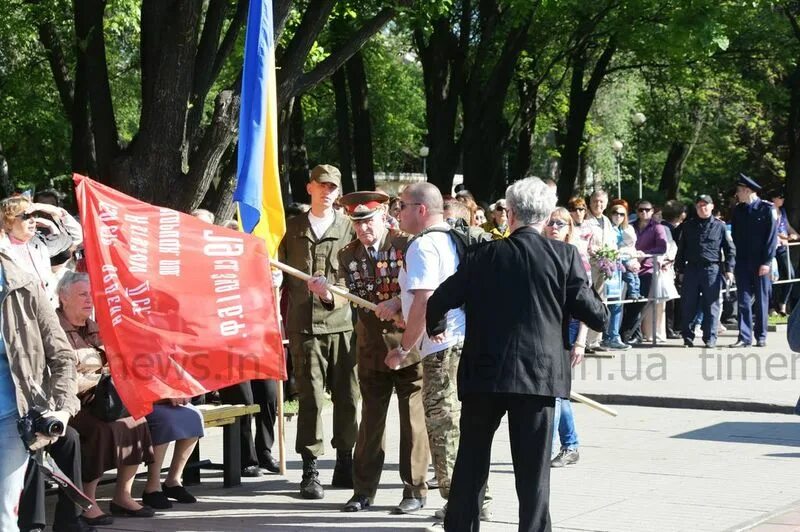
<point>320,224</point>
<point>430,259</point>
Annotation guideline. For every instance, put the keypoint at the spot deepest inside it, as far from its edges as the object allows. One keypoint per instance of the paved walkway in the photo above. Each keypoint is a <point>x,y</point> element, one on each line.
<point>648,469</point>
<point>754,379</point>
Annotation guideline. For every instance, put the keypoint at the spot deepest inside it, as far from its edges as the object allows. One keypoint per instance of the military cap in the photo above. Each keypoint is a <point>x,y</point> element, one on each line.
<point>363,205</point>
<point>748,182</point>
<point>705,198</point>
<point>325,173</point>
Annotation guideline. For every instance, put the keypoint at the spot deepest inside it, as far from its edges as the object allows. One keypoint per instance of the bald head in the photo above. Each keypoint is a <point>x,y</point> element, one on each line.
<point>426,194</point>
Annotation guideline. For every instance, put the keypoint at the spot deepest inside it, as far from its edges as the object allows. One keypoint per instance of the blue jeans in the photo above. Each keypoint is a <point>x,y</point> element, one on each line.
<point>13,462</point>
<point>614,321</point>
<point>634,285</point>
<point>564,426</point>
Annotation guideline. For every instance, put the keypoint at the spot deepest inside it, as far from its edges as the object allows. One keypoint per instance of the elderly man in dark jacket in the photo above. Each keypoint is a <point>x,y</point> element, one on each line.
<point>515,356</point>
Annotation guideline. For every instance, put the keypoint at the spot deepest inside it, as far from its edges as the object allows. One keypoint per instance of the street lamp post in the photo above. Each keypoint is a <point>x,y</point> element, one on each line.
<point>617,147</point>
<point>638,120</point>
<point>424,152</point>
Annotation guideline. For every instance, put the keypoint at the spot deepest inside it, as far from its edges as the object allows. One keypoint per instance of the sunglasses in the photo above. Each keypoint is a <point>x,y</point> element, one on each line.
<point>558,224</point>
<point>578,209</point>
<point>25,216</point>
<point>619,213</point>
<point>644,209</point>
<point>501,209</point>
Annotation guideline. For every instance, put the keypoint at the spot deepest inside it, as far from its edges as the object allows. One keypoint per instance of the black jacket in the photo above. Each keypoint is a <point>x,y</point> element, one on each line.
<point>518,294</point>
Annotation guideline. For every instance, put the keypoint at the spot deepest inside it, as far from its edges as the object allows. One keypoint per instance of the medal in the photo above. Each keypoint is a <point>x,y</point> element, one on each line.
<point>353,266</point>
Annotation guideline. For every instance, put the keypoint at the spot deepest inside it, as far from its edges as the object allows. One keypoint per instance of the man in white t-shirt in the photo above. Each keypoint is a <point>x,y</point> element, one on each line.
<point>431,258</point>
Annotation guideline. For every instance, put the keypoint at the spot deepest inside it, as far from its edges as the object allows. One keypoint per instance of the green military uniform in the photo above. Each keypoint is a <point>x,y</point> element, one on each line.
<point>374,278</point>
<point>319,338</point>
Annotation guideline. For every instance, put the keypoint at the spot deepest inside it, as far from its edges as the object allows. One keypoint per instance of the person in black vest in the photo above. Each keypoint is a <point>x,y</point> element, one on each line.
<point>515,358</point>
<point>703,248</point>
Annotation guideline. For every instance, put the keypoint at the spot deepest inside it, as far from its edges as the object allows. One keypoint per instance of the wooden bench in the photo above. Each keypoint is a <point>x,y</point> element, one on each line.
<point>229,417</point>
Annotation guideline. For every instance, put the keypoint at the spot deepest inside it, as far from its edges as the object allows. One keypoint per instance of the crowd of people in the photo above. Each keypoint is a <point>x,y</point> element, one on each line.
<point>479,310</point>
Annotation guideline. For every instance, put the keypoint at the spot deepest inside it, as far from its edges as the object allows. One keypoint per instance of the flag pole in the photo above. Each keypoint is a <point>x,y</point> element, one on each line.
<point>279,409</point>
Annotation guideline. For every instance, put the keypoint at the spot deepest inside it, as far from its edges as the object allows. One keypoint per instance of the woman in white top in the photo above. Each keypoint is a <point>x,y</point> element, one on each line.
<point>26,248</point>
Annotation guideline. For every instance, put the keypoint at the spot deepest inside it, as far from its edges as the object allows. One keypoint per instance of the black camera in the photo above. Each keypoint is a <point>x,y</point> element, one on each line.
<point>34,421</point>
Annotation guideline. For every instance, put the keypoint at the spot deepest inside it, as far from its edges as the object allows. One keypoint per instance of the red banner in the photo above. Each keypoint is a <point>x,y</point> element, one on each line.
<point>184,307</point>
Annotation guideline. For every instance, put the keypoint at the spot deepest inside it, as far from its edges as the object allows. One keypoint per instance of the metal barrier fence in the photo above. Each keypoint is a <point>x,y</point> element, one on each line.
<point>656,277</point>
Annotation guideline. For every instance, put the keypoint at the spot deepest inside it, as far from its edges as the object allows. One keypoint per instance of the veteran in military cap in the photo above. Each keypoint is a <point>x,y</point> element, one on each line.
<point>369,268</point>
<point>755,233</point>
<point>319,337</point>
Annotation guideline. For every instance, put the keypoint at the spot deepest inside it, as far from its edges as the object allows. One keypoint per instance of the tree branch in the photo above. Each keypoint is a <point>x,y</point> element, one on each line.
<point>294,57</point>
<point>337,58</point>
<point>91,45</point>
<point>280,14</point>
<point>58,65</point>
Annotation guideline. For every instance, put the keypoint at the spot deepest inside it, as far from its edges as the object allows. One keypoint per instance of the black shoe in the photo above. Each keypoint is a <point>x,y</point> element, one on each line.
<point>270,464</point>
<point>739,345</point>
<point>433,483</point>
<point>687,343</point>
<point>252,471</point>
<point>409,505</point>
<point>673,336</point>
<point>100,520</point>
<point>343,470</point>
<point>156,500</point>
<point>761,343</point>
<point>310,487</point>
<point>565,457</point>
<point>357,503</point>
<point>178,493</point>
<point>121,511</point>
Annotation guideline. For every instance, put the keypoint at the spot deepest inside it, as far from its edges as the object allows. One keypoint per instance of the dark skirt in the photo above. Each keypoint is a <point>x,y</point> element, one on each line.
<point>109,445</point>
<point>169,423</point>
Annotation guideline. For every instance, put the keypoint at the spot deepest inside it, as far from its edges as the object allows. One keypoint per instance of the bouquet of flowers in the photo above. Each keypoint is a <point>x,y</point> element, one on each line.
<point>606,259</point>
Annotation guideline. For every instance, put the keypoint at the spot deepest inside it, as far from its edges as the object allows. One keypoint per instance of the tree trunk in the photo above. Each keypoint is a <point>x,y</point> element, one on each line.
<point>298,156</point>
<point>673,168</point>
<point>793,140</point>
<point>362,127</point>
<point>343,138</point>
<point>5,180</point>
<point>521,163</point>
<point>580,103</point>
<point>442,58</point>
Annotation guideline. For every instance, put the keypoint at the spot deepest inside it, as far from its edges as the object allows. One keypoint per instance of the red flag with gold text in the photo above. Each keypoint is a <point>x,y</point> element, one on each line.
<point>184,307</point>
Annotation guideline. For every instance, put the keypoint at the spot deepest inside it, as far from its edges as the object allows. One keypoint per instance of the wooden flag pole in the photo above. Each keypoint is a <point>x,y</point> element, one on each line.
<point>279,409</point>
<point>335,290</point>
<point>371,306</point>
<point>575,396</point>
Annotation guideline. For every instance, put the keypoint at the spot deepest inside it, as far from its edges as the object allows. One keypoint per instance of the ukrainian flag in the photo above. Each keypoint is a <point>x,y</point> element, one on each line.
<point>258,190</point>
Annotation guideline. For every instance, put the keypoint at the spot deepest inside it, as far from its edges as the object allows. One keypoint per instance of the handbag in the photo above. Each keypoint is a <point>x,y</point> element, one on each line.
<point>106,405</point>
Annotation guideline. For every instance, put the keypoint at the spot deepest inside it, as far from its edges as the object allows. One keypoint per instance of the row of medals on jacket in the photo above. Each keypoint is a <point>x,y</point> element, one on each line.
<point>387,267</point>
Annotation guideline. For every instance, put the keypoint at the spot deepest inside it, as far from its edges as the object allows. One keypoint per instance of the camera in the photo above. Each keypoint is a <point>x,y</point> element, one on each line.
<point>36,421</point>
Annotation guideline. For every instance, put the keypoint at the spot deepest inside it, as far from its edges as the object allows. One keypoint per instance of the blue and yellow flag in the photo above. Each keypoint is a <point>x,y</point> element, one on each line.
<point>258,190</point>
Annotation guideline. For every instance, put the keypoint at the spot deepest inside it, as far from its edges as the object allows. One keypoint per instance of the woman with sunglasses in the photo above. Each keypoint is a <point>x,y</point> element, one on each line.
<point>626,243</point>
<point>560,227</point>
<point>651,239</point>
<point>26,248</point>
<point>583,234</point>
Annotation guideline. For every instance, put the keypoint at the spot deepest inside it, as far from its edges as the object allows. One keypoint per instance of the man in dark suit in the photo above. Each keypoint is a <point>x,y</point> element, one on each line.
<point>515,356</point>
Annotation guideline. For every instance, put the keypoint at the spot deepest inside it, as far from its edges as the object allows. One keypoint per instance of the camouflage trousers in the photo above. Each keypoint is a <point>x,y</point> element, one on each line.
<point>443,415</point>
<point>442,411</point>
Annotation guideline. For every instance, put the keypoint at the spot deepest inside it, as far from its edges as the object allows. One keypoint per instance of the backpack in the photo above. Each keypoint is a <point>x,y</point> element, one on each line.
<point>462,235</point>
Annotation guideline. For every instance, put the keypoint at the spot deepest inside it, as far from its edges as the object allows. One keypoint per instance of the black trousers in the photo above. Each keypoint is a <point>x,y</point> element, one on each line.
<point>530,422</point>
<point>631,328</point>
<point>265,394</point>
<point>66,453</point>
